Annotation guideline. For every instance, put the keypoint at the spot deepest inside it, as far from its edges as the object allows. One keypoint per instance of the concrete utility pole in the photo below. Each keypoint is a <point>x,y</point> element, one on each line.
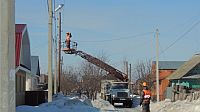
<point>59,49</point>
<point>55,66</point>
<point>157,69</point>
<point>55,53</point>
<point>50,52</point>
<point>7,56</point>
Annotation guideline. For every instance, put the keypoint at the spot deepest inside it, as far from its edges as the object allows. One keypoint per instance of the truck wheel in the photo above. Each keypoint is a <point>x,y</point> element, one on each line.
<point>112,102</point>
<point>109,98</point>
<point>130,104</point>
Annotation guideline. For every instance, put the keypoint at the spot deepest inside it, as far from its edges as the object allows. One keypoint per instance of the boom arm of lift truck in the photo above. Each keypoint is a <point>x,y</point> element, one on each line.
<point>111,70</point>
<point>71,49</point>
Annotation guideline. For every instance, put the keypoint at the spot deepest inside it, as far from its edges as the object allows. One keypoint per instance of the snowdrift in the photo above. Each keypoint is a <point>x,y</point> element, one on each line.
<point>61,103</point>
<point>178,106</point>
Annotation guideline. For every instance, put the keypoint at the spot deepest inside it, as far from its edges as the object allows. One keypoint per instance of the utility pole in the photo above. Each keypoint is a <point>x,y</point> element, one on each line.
<point>61,72</point>
<point>50,51</point>
<point>55,53</point>
<point>59,49</point>
<point>130,78</point>
<point>126,64</point>
<point>130,71</point>
<point>127,72</point>
<point>55,67</point>
<point>126,67</point>
<point>157,69</point>
<point>7,56</point>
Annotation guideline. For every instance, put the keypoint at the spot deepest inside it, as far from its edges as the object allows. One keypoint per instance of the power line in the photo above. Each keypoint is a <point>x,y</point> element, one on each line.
<point>179,38</point>
<point>120,38</point>
<point>182,36</point>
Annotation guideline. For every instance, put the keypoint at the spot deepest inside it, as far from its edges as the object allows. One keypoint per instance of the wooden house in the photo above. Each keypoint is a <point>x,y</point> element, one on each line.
<point>187,76</point>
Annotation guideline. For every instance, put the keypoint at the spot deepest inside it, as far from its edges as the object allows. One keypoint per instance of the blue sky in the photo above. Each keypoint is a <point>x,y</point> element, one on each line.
<point>95,20</point>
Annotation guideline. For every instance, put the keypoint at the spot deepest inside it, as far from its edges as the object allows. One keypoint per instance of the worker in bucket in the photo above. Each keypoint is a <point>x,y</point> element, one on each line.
<point>68,39</point>
<point>145,98</point>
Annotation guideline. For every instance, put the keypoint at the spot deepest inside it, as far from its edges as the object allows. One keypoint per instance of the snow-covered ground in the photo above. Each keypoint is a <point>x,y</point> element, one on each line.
<point>178,106</point>
<point>61,104</point>
<point>163,106</point>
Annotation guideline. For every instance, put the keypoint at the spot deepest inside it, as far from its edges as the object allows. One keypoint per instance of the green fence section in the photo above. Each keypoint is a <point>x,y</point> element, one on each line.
<point>190,83</point>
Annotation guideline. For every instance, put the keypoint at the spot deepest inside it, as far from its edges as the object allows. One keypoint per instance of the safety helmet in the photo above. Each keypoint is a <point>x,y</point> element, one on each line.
<point>69,34</point>
<point>144,84</point>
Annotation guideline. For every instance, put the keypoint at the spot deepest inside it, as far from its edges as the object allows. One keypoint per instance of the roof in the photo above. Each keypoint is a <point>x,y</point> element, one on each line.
<point>197,76</point>
<point>22,47</point>
<point>166,65</point>
<point>185,68</point>
<point>19,28</point>
<point>35,66</point>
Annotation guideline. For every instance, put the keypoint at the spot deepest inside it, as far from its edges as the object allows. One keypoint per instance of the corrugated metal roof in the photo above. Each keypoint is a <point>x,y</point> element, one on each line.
<point>169,65</point>
<point>35,66</point>
<point>185,68</point>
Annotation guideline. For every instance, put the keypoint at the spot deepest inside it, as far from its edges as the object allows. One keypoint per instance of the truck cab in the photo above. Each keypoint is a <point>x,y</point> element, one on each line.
<point>120,94</point>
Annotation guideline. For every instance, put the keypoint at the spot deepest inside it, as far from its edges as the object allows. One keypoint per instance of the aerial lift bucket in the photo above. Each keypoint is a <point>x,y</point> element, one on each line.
<point>68,47</point>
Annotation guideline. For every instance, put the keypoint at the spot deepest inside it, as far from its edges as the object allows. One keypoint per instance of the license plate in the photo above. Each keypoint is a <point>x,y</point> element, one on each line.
<point>122,99</point>
<point>118,104</point>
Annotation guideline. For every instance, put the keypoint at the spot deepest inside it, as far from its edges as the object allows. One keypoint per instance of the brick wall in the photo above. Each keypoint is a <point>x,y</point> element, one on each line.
<point>163,82</point>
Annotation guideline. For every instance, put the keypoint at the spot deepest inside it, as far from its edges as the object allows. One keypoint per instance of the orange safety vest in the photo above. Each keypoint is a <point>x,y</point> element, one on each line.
<point>68,41</point>
<point>147,96</point>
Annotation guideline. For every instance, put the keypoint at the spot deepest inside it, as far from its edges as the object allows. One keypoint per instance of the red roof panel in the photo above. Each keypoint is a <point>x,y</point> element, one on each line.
<point>19,30</point>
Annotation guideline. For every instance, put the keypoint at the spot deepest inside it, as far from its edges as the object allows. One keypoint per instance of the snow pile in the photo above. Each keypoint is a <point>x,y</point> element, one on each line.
<point>103,105</point>
<point>178,106</point>
<point>168,106</point>
<point>61,104</point>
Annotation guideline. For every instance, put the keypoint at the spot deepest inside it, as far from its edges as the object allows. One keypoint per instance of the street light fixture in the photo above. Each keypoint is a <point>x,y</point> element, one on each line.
<point>60,6</point>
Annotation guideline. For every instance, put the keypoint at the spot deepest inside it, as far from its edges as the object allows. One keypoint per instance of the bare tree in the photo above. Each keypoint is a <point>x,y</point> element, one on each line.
<point>143,73</point>
<point>92,76</point>
<point>69,80</point>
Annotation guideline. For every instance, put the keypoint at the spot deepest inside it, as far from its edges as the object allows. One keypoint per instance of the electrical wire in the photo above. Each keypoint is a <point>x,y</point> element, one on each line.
<point>179,38</point>
<point>120,38</point>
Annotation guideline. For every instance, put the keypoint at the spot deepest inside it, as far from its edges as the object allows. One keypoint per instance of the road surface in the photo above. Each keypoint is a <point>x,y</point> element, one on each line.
<point>105,106</point>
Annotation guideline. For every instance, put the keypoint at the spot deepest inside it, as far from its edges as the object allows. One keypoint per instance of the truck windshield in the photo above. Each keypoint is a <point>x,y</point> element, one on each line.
<point>120,86</point>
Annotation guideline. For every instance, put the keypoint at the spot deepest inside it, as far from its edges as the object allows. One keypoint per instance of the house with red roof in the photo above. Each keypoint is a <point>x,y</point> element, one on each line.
<point>22,61</point>
<point>27,66</point>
